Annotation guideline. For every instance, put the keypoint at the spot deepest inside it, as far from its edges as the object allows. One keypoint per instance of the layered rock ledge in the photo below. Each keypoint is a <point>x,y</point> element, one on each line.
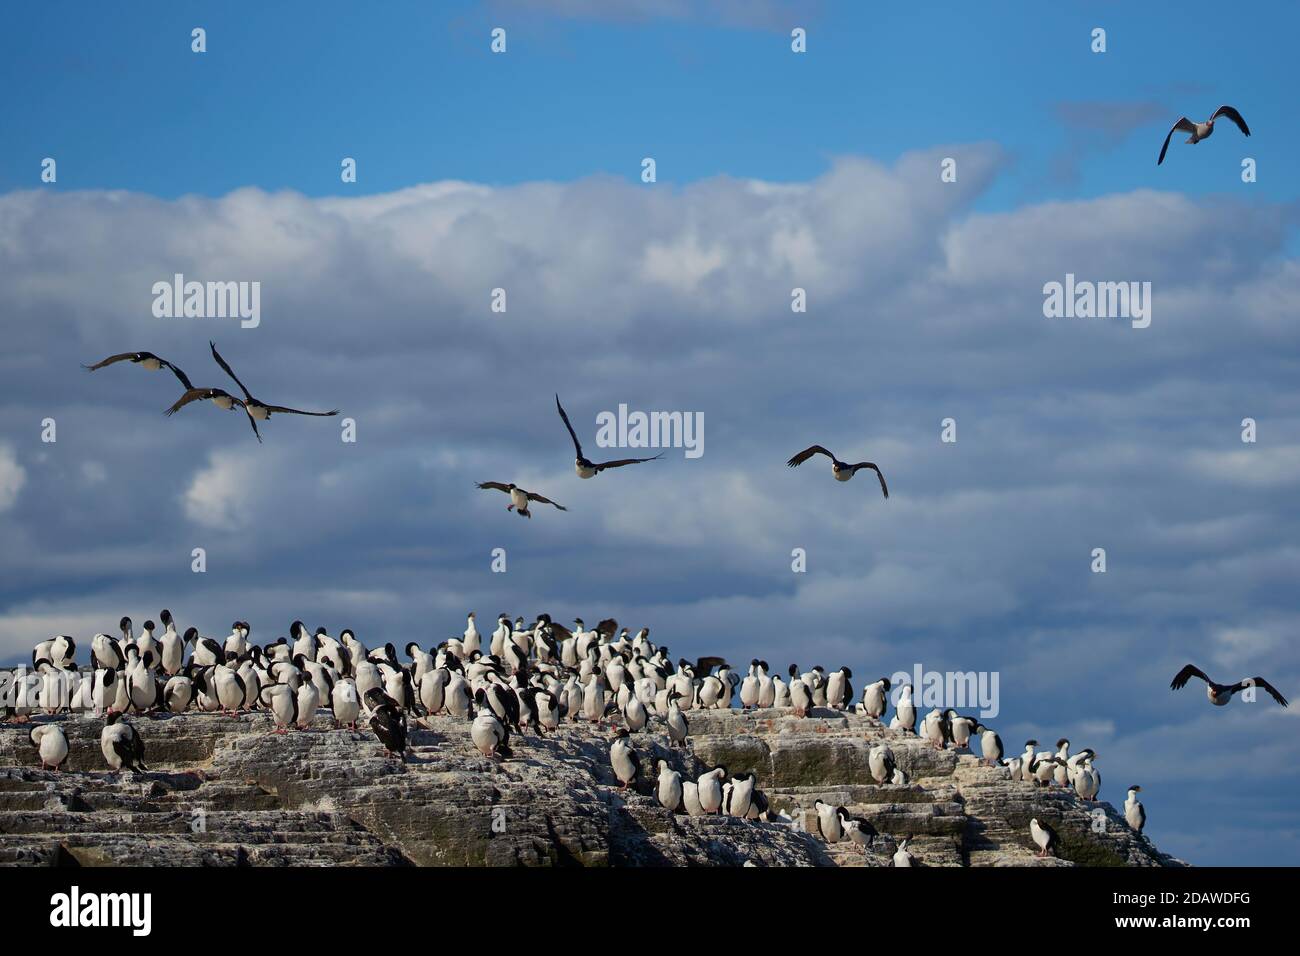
<point>226,791</point>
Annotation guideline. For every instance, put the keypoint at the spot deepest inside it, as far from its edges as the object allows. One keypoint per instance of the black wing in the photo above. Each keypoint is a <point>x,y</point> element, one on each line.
<point>1187,673</point>
<point>542,499</point>
<point>493,486</point>
<point>1233,115</point>
<point>222,362</point>
<point>184,379</point>
<point>122,357</point>
<point>625,461</point>
<point>1259,682</point>
<point>297,411</point>
<point>868,464</point>
<point>197,395</point>
<point>807,453</point>
<point>1184,124</point>
<point>577,446</point>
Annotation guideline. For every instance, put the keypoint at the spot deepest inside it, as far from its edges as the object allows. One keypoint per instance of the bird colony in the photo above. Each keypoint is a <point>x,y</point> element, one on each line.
<point>511,684</point>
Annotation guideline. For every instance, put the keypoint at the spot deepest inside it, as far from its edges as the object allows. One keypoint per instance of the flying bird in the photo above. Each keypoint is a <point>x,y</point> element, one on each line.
<point>219,397</point>
<point>518,497</point>
<point>1220,694</point>
<point>584,466</point>
<point>145,360</point>
<point>842,470</point>
<point>1204,130</point>
<point>261,410</point>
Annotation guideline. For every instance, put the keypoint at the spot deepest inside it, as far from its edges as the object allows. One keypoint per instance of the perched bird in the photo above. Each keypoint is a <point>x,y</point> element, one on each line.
<point>842,470</point>
<point>1134,812</point>
<point>624,759</point>
<point>1044,837</point>
<point>51,743</point>
<point>387,721</point>
<point>710,788</point>
<point>1204,130</point>
<point>145,360</point>
<point>590,469</point>
<point>830,821</point>
<point>669,789</point>
<point>1220,694</point>
<point>902,857</point>
<point>490,735</point>
<point>519,498</point>
<point>121,745</point>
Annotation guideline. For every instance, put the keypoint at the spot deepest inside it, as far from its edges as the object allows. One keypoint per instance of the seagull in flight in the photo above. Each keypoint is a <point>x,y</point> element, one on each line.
<point>585,467</point>
<point>842,470</point>
<point>519,498</point>
<point>261,410</point>
<point>1220,694</point>
<point>1204,130</point>
<point>145,360</point>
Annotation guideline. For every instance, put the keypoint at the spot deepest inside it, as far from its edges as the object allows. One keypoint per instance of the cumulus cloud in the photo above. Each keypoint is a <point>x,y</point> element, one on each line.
<point>1072,434</point>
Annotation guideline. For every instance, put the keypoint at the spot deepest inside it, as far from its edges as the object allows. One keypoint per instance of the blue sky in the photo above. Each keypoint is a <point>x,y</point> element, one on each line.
<point>775,170</point>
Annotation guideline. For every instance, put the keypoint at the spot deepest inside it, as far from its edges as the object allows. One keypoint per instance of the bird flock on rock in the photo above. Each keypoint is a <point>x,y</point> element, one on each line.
<point>521,680</point>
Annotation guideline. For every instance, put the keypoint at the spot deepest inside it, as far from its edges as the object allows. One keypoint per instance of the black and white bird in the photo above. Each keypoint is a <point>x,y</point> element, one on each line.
<point>145,360</point>
<point>584,466</point>
<point>843,471</point>
<point>218,397</point>
<point>51,743</point>
<point>1200,131</point>
<point>519,498</point>
<point>902,857</point>
<point>121,745</point>
<point>258,410</point>
<point>1044,837</point>
<point>490,735</point>
<point>388,721</point>
<point>1134,812</point>
<point>1220,694</point>
<point>623,758</point>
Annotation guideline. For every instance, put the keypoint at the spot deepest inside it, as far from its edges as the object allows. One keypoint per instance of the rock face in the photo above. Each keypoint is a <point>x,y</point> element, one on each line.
<point>226,791</point>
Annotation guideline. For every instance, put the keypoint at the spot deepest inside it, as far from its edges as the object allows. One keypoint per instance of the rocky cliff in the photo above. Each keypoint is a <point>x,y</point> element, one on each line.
<point>225,790</point>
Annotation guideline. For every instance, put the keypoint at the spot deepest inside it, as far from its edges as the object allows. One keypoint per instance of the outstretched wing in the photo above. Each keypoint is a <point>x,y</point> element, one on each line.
<point>807,453</point>
<point>1187,673</point>
<point>577,446</point>
<point>252,421</point>
<point>1260,682</point>
<point>184,379</point>
<point>1233,115</point>
<point>1184,124</point>
<point>872,466</point>
<point>226,368</point>
<point>625,461</point>
<point>296,411</point>
<point>110,360</point>
<point>542,499</point>
<point>195,395</point>
<point>493,485</point>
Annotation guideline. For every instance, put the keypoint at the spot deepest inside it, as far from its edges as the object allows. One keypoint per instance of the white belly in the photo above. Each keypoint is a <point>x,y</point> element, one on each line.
<point>519,500</point>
